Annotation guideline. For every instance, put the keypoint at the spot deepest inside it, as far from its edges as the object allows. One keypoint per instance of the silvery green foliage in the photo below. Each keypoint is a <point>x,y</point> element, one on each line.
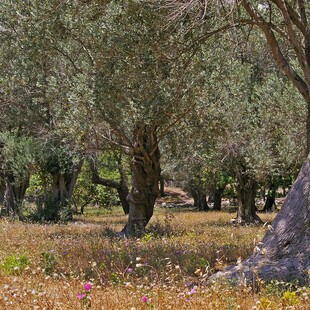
<point>17,156</point>
<point>84,67</point>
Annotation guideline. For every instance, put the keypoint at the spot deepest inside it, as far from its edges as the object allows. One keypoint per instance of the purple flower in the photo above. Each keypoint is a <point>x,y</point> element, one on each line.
<point>87,287</point>
<point>193,291</point>
<point>144,299</point>
<point>80,296</point>
<point>129,269</point>
<point>188,284</point>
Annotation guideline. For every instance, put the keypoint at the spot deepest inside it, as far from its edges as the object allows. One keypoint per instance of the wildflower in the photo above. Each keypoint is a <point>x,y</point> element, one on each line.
<point>129,269</point>
<point>144,299</point>
<point>81,296</point>
<point>188,284</point>
<point>192,291</point>
<point>87,287</point>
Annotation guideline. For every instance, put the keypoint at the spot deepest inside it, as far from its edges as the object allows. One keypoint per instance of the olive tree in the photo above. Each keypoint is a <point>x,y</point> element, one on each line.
<point>284,252</point>
<point>104,72</point>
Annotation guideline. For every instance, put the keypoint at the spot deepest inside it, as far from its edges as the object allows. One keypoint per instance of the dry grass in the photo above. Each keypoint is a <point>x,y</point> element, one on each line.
<point>45,266</point>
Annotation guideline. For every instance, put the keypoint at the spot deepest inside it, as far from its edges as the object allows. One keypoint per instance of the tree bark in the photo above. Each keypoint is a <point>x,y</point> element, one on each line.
<point>284,252</point>
<point>10,205</point>
<point>63,185</point>
<point>13,195</point>
<point>270,203</point>
<point>246,191</point>
<point>200,199</point>
<point>217,200</point>
<point>145,167</point>
<point>162,186</point>
<point>2,190</point>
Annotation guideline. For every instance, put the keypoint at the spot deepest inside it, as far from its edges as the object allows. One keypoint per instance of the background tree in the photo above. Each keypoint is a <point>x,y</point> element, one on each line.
<point>17,155</point>
<point>284,252</point>
<point>119,182</point>
<point>137,93</point>
<point>101,70</point>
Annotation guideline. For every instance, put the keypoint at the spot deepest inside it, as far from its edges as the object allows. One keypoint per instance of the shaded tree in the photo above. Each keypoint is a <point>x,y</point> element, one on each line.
<point>17,158</point>
<point>284,251</point>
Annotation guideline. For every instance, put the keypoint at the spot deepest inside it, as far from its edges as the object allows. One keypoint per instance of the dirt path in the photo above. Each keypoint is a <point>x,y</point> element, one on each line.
<point>175,196</point>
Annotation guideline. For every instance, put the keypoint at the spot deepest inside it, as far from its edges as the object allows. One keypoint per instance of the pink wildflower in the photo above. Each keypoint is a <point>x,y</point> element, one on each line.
<point>87,287</point>
<point>193,291</point>
<point>144,299</point>
<point>81,296</point>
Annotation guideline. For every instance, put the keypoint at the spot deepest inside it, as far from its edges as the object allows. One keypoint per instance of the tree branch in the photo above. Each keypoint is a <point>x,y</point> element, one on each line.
<point>278,56</point>
<point>96,179</point>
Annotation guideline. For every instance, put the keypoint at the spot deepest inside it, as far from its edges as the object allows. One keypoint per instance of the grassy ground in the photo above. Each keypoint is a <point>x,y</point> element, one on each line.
<point>47,266</point>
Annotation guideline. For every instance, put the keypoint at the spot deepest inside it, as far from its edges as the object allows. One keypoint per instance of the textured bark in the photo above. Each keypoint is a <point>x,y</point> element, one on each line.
<point>13,195</point>
<point>200,199</point>
<point>284,252</point>
<point>246,191</point>
<point>217,198</point>
<point>2,190</point>
<point>10,205</point>
<point>145,167</point>
<point>123,190</point>
<point>63,184</point>
<point>162,186</point>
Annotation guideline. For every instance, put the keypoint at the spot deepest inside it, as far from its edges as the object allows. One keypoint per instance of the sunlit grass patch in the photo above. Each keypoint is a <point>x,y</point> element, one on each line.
<point>14,264</point>
<point>165,269</point>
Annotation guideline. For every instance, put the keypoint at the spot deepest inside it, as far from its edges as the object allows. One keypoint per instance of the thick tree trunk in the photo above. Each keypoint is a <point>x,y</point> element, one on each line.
<point>60,191</point>
<point>200,199</point>
<point>63,184</point>
<point>270,203</point>
<point>246,191</point>
<point>13,195</point>
<point>123,190</point>
<point>10,205</point>
<point>2,191</point>
<point>145,168</point>
<point>217,200</point>
<point>284,252</point>
<point>162,186</point>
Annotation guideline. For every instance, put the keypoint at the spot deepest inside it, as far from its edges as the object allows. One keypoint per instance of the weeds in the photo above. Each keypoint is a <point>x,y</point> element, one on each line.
<point>14,265</point>
<point>166,269</point>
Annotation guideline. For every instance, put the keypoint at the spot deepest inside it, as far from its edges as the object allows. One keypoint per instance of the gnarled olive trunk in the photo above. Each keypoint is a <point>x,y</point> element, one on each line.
<point>63,184</point>
<point>145,168</point>
<point>197,188</point>
<point>13,195</point>
<point>246,191</point>
<point>217,198</point>
<point>270,203</point>
<point>200,199</point>
<point>162,186</point>
<point>284,252</point>
<point>2,190</point>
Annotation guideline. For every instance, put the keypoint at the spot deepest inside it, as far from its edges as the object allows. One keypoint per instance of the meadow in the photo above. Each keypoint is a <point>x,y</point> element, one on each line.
<point>83,265</point>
